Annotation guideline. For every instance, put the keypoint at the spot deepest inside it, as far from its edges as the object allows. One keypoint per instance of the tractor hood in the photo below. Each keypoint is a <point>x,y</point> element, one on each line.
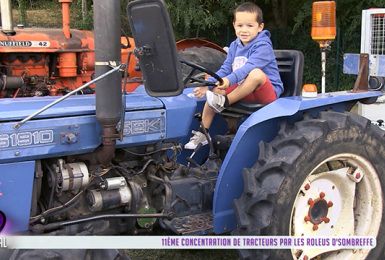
<point>74,106</point>
<point>45,40</point>
<point>71,127</point>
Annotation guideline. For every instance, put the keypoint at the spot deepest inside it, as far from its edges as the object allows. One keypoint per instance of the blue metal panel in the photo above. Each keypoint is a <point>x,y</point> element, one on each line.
<point>218,126</point>
<point>48,138</point>
<point>180,112</point>
<point>142,127</point>
<point>351,63</point>
<point>381,66</point>
<point>75,105</point>
<point>16,183</point>
<point>54,137</point>
<point>263,125</point>
<point>376,64</point>
<point>333,98</point>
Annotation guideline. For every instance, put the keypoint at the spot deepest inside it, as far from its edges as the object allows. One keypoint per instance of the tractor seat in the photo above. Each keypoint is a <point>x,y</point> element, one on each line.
<point>290,66</point>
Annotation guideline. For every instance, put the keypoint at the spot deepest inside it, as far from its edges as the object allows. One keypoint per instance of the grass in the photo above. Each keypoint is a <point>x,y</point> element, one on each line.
<point>47,15</point>
<point>41,18</point>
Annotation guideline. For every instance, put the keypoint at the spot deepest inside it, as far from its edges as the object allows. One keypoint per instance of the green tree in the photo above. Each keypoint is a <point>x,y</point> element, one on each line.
<point>196,18</point>
<point>288,21</point>
<point>348,41</point>
<point>22,11</point>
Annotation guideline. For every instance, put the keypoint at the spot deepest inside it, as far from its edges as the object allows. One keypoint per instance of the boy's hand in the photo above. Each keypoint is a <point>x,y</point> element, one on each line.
<point>200,92</point>
<point>224,85</point>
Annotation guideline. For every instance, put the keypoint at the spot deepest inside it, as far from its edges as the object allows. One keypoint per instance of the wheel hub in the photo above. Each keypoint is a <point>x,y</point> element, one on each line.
<point>319,208</point>
<point>318,211</point>
<point>326,206</point>
<point>330,203</point>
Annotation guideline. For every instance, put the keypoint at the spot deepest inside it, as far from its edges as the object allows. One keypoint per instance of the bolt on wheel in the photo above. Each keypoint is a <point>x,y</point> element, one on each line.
<point>321,176</point>
<point>336,199</point>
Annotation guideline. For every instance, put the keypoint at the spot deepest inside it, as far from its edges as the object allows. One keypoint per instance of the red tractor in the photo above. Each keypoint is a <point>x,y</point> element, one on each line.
<point>45,61</point>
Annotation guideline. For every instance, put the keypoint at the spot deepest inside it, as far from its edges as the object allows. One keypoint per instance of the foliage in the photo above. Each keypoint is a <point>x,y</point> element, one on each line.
<point>86,22</point>
<point>348,41</point>
<point>80,20</point>
<point>40,4</point>
<point>288,21</point>
<point>195,18</point>
<point>22,12</point>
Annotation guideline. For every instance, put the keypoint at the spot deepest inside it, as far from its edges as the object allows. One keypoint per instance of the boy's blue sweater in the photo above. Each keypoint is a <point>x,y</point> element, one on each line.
<point>242,59</point>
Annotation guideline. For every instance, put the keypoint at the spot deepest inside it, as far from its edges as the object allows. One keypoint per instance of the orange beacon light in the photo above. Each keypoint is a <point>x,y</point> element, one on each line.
<point>323,30</point>
<point>323,21</point>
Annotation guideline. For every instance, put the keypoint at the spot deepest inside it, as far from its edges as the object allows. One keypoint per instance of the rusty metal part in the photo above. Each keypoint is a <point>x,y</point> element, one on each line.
<point>66,17</point>
<point>362,81</point>
<point>106,152</point>
<point>193,224</point>
<point>326,219</point>
<point>196,42</point>
<point>67,64</point>
<point>318,211</point>
<point>19,124</point>
<point>10,82</point>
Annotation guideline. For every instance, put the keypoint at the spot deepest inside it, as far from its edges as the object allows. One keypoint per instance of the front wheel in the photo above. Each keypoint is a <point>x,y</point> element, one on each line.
<point>319,177</point>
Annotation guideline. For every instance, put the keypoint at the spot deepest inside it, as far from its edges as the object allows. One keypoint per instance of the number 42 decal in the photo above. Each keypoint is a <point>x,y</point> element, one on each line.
<point>44,44</point>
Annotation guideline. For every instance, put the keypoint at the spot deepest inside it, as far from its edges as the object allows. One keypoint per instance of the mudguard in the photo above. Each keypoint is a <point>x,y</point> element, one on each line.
<point>16,182</point>
<point>263,125</point>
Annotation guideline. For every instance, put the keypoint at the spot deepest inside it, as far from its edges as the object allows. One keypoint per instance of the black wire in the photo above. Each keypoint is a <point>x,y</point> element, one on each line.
<point>149,153</point>
<point>128,40</point>
<point>145,166</point>
<point>125,173</point>
<point>65,206</point>
<point>53,183</point>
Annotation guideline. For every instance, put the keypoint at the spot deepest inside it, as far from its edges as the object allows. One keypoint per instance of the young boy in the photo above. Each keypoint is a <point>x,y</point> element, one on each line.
<point>249,73</point>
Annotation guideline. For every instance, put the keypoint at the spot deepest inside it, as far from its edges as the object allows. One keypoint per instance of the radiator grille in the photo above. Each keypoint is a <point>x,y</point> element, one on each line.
<point>378,34</point>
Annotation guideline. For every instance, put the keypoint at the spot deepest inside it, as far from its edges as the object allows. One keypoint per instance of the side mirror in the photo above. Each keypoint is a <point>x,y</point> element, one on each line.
<point>155,47</point>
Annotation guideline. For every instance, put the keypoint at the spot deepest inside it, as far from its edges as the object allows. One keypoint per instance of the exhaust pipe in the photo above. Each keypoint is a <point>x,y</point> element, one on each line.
<point>108,90</point>
<point>6,17</point>
<point>65,9</point>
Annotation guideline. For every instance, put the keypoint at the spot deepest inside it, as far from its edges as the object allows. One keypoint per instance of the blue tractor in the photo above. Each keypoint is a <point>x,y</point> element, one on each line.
<point>110,164</point>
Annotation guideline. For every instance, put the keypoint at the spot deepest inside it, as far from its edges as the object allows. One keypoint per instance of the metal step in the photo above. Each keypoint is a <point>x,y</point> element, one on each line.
<point>198,224</point>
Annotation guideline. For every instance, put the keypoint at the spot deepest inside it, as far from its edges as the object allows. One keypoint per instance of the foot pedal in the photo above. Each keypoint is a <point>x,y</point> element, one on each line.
<point>198,224</point>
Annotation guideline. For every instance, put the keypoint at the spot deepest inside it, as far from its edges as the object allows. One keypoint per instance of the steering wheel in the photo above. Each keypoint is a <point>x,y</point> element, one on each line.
<point>195,80</point>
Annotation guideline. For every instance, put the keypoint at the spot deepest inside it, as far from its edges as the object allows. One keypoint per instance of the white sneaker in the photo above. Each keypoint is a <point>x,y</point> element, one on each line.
<point>215,101</point>
<point>197,138</point>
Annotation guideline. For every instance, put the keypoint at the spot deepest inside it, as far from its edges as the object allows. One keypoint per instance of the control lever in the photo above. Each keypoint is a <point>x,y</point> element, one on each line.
<point>212,155</point>
<point>190,158</point>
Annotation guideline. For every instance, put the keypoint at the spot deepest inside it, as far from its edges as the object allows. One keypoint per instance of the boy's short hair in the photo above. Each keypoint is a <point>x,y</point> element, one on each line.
<point>250,8</point>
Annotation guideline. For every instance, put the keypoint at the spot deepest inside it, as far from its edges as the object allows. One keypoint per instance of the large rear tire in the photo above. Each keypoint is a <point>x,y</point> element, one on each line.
<point>206,57</point>
<point>318,176</point>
